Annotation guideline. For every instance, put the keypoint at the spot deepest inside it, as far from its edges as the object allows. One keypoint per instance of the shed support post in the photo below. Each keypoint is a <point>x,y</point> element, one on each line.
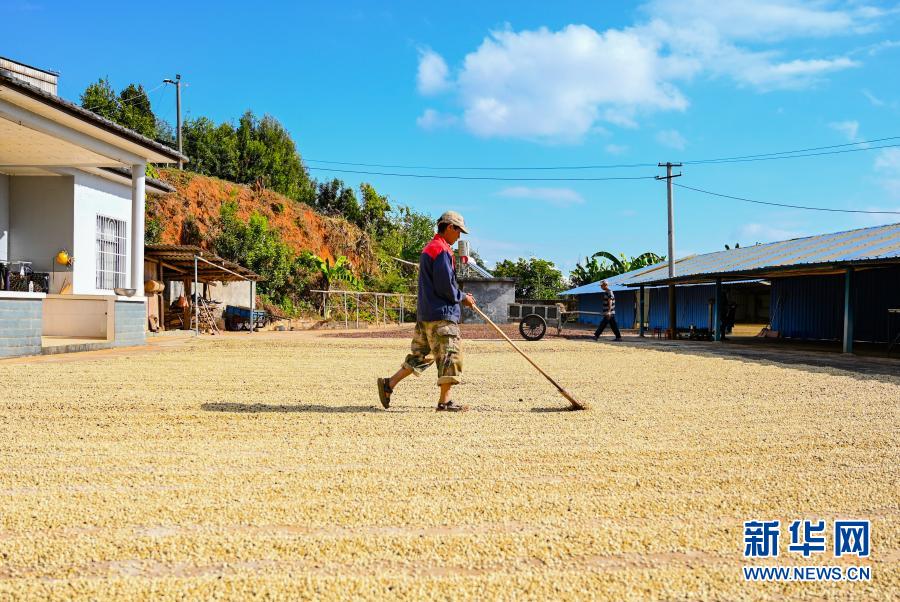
<point>717,315</point>
<point>401,309</point>
<point>252,305</point>
<point>196,301</point>
<point>346,313</point>
<point>673,325</point>
<point>848,311</point>
<point>357,311</point>
<point>641,311</point>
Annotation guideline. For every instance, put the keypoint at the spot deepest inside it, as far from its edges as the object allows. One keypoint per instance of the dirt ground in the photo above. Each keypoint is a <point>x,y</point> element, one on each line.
<point>263,467</point>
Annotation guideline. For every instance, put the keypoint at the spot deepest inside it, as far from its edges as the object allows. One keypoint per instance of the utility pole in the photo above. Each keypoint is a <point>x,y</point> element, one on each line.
<point>668,177</point>
<point>177,83</point>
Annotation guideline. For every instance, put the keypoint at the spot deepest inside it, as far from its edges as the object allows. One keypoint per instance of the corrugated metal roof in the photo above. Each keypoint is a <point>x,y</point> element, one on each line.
<point>873,245</point>
<point>182,257</point>
<point>7,79</point>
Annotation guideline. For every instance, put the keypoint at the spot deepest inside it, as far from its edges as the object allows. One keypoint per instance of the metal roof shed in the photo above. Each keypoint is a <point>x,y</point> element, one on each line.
<point>189,262</point>
<point>839,253</point>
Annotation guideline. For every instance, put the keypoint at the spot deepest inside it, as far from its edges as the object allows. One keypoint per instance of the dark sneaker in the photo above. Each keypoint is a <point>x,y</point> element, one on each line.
<point>617,339</point>
<point>384,392</point>
<point>596,338</point>
<point>451,407</point>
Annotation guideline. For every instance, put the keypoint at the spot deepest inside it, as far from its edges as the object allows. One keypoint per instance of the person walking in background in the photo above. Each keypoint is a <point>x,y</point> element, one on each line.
<point>609,313</point>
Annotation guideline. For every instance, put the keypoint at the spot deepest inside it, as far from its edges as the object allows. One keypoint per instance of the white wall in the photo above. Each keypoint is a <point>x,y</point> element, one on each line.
<point>40,218</point>
<point>231,293</point>
<point>97,196</point>
<point>4,217</point>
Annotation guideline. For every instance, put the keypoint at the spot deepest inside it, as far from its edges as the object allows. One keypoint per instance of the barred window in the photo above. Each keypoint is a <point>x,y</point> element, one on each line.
<point>111,253</point>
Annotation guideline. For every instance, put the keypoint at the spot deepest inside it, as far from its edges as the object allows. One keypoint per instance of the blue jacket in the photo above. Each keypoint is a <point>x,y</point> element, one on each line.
<point>439,294</point>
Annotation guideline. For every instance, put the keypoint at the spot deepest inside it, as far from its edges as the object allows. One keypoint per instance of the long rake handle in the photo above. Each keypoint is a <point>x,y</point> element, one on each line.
<point>566,394</point>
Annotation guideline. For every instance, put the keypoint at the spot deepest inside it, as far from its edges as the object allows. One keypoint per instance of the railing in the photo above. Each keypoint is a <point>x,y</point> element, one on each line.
<point>382,308</point>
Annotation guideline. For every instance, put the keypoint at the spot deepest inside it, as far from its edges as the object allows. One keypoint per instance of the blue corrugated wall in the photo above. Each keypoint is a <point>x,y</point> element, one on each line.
<point>812,307</point>
<point>808,307</point>
<point>624,308</point>
<point>691,306</point>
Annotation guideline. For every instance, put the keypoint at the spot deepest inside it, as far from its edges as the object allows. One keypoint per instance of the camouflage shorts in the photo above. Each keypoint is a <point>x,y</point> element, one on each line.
<point>436,342</point>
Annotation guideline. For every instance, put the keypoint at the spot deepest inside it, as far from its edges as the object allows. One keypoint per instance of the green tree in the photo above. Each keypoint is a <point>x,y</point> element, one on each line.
<point>100,98</point>
<point>213,149</point>
<point>266,154</point>
<point>153,230</point>
<point>256,245</point>
<point>408,233</point>
<point>376,211</point>
<point>535,278</point>
<point>333,198</point>
<point>135,112</point>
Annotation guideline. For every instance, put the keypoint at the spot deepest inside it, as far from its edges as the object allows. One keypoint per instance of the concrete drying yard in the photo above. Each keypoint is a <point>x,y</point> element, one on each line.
<point>262,466</point>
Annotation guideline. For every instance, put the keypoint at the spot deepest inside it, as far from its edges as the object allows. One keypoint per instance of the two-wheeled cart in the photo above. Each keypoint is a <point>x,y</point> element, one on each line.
<point>534,319</point>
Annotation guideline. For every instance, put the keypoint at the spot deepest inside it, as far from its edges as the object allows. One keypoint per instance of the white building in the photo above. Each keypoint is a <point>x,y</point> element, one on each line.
<point>69,181</point>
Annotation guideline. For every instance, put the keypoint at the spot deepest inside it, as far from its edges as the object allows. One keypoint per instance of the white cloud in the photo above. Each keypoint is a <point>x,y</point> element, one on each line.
<point>433,72</point>
<point>887,164</point>
<point>672,139</point>
<point>888,159</point>
<point>561,197</point>
<point>434,120</point>
<point>701,47</point>
<point>616,149</point>
<point>848,128</point>
<point>880,47</point>
<point>556,86</point>
<point>876,102</point>
<point>553,85</point>
<point>879,102</point>
<point>761,20</point>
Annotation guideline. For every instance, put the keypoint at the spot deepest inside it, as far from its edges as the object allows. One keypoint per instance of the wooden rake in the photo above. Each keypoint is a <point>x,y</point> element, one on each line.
<point>576,405</point>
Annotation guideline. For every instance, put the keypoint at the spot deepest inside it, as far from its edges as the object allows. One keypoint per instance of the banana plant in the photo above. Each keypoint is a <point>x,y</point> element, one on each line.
<point>622,264</point>
<point>333,272</point>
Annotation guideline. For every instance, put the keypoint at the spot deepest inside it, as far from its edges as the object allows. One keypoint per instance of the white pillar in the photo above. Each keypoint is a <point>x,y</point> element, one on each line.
<point>138,203</point>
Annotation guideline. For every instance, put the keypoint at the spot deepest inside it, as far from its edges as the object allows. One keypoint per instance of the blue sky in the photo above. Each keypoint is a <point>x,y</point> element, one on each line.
<point>533,84</point>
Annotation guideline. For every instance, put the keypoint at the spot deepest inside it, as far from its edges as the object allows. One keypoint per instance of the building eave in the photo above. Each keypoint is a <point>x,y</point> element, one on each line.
<point>14,91</point>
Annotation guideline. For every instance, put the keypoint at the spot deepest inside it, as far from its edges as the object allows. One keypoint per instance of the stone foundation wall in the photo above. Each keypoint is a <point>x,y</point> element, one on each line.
<point>131,320</point>
<point>20,327</point>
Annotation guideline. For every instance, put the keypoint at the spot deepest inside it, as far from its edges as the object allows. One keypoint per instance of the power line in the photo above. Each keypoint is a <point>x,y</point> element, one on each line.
<point>786,156</point>
<point>806,207</point>
<point>490,178</point>
<point>799,150</point>
<point>802,152</point>
<point>482,168</point>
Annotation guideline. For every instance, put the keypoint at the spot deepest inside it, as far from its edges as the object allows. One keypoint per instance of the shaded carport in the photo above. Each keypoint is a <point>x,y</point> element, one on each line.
<point>192,266</point>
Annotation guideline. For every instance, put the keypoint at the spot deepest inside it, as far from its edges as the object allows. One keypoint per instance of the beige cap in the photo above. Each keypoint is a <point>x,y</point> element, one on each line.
<point>454,218</point>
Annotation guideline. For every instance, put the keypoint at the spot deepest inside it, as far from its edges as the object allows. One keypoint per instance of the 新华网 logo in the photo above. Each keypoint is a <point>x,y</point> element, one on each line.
<point>851,538</point>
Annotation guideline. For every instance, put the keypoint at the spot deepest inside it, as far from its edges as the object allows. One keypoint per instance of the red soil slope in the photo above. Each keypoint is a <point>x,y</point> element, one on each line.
<point>300,226</point>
